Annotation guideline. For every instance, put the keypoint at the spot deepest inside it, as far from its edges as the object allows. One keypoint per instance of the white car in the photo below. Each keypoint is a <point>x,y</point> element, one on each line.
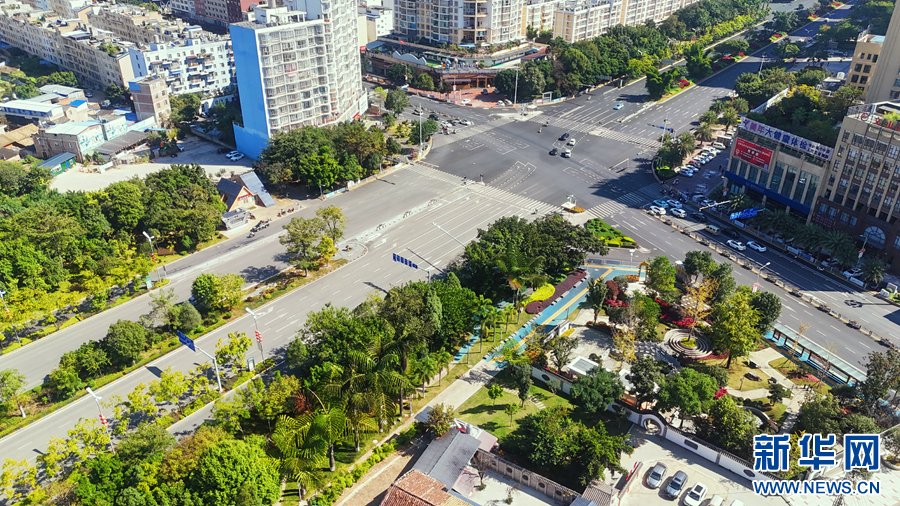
<point>687,173</point>
<point>465,122</point>
<point>571,141</point>
<point>719,146</point>
<point>674,204</point>
<point>657,210</point>
<point>756,246</point>
<point>567,153</point>
<point>236,157</point>
<point>853,273</point>
<point>738,245</point>
<point>233,153</point>
<point>696,495</point>
<point>679,213</point>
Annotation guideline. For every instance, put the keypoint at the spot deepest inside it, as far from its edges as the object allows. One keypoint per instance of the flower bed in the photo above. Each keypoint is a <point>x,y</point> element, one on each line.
<point>720,393</point>
<point>543,292</point>
<point>571,280</point>
<point>812,17</point>
<point>616,303</point>
<point>777,36</point>
<point>610,235</point>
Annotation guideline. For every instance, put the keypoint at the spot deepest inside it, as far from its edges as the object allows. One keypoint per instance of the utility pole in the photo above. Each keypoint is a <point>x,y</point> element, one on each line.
<point>102,418</point>
<point>153,254</point>
<point>761,61</point>
<point>516,92</point>
<point>448,233</point>
<point>9,314</point>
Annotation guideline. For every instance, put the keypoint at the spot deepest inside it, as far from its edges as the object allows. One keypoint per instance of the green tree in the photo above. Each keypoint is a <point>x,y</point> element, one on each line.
<point>725,285</point>
<point>735,46</point>
<point>495,392</point>
<point>511,409</point>
<point>277,397</point>
<point>229,413</point>
<point>730,118</point>
<point>334,221</point>
<point>399,73</point>
<point>187,318</point>
<point>396,101</point>
<point>873,270</point>
<point>232,352</point>
<point>217,292</point>
<point>735,327</point>
<point>440,419</point>
<point>820,414</point>
<point>562,347</point>
<point>704,132</point>
<point>169,388</point>
<point>661,279</point>
<point>301,241</point>
<point>524,389</point>
<point>185,108</point>
<point>596,296</point>
<point>882,375</point>
<point>594,392</point>
<point>777,393</point>
<point>149,443</point>
<point>12,385</point>
<point>689,391</point>
<point>429,127</point>
<point>123,204</point>
<point>424,82</point>
<point>768,309</point>
<point>728,426</point>
<point>235,473</point>
<point>124,342</point>
<point>645,376</point>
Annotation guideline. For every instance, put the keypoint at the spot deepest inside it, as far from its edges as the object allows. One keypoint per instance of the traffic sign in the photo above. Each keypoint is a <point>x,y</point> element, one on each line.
<point>755,287</point>
<point>187,341</point>
<point>746,213</point>
<point>398,258</point>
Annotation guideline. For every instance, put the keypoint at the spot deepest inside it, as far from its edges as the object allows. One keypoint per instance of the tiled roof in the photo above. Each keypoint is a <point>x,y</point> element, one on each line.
<point>416,489</point>
<point>599,492</point>
<point>21,135</point>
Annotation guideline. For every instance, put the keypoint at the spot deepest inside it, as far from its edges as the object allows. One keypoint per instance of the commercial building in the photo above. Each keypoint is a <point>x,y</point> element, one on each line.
<point>297,65</point>
<point>885,82</point>
<point>31,110</point>
<point>194,61</point>
<point>779,169</point>
<point>150,96</point>
<point>865,58</point>
<point>862,193</point>
<point>64,92</point>
<point>459,21</point>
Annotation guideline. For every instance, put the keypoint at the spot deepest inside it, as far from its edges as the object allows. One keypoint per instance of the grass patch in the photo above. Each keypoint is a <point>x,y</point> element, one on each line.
<point>543,292</point>
<point>789,369</point>
<point>611,235</point>
<point>778,412</point>
<point>737,371</point>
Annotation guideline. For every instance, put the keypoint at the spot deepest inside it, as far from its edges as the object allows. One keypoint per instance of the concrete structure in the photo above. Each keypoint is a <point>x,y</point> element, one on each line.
<point>151,98</point>
<point>297,65</point>
<point>237,9</point>
<point>78,138</point>
<point>885,82</point>
<point>575,20</point>
<point>134,23</point>
<point>865,57</point>
<point>379,22</point>
<point>41,111</point>
<point>580,20</point>
<point>64,92</point>
<point>196,61</point>
<point>67,8</point>
<point>781,170</point>
<point>459,21</point>
<point>862,194</point>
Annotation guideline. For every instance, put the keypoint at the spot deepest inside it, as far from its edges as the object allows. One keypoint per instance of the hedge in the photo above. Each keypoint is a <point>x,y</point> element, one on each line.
<point>571,280</point>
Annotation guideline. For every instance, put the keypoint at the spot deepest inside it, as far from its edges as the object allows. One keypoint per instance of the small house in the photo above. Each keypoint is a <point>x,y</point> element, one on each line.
<point>244,191</point>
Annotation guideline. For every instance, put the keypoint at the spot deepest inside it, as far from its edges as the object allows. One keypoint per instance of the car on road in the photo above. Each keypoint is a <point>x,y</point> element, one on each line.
<point>679,213</point>
<point>554,152</point>
<point>236,157</point>
<point>465,122</point>
<point>232,153</point>
<point>738,245</point>
<point>677,484</point>
<point>730,232</point>
<point>658,210</point>
<point>706,202</point>
<point>564,136</point>
<point>853,273</point>
<point>571,142</point>
<point>700,217</point>
<point>696,495</point>
<point>674,203</point>
<point>756,246</point>
<point>618,106</point>
<point>661,203</point>
<point>88,94</point>
<point>434,116</point>
<point>657,475</point>
<point>567,153</point>
<point>180,147</point>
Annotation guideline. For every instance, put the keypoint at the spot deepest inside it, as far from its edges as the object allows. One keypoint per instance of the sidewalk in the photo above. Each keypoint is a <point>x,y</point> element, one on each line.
<point>792,406</point>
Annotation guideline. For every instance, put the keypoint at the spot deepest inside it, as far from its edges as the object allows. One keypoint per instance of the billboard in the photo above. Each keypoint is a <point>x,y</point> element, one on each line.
<point>752,153</point>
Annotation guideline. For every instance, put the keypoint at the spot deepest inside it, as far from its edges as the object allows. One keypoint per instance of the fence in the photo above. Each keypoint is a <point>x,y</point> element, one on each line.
<point>521,476</point>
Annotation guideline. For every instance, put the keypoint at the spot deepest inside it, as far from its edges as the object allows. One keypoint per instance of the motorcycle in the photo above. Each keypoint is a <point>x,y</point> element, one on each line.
<point>252,235</point>
<point>252,217</point>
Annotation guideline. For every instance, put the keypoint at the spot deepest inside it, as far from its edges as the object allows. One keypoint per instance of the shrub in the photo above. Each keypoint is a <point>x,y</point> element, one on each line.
<point>571,280</point>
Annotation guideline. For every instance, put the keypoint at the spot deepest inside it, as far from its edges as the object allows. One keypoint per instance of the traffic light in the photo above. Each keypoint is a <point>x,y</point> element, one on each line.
<point>102,420</point>
<point>153,257</point>
<point>258,337</point>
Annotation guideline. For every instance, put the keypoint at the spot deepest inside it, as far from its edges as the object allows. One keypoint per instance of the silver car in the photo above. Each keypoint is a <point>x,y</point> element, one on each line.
<point>677,484</point>
<point>657,475</point>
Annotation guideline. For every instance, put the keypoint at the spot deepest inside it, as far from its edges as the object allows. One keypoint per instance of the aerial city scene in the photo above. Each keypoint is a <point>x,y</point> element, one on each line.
<point>449,252</point>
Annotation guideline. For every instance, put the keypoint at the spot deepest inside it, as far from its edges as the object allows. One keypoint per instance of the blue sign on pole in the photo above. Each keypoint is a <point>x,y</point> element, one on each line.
<point>746,213</point>
<point>398,258</point>
<point>187,341</point>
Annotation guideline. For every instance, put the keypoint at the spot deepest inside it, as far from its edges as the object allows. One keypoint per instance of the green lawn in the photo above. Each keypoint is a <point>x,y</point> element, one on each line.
<point>480,410</point>
<point>788,367</point>
<point>612,236</point>
<point>737,371</point>
<point>778,412</point>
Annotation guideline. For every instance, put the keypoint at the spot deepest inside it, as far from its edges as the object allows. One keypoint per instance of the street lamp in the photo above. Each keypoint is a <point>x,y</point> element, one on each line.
<point>15,331</point>
<point>153,253</point>
<point>760,272</point>
<point>516,91</point>
<point>761,61</point>
<point>631,264</point>
<point>102,419</point>
<point>258,334</point>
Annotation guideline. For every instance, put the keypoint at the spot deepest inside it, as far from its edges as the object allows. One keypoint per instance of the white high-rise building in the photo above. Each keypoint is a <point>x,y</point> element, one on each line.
<point>297,65</point>
<point>575,20</point>
<point>459,21</point>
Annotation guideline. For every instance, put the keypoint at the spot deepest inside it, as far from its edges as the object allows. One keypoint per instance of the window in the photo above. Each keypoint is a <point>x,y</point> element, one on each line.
<point>851,155</point>
<point>844,217</point>
<point>859,173</point>
<point>866,69</point>
<point>855,78</point>
<point>875,59</point>
<point>789,181</point>
<point>857,139</point>
<point>864,80</point>
<point>823,208</point>
<point>858,67</point>
<point>882,182</point>
<point>870,177</point>
<point>853,221</point>
<point>801,185</point>
<point>832,212</point>
<point>776,176</point>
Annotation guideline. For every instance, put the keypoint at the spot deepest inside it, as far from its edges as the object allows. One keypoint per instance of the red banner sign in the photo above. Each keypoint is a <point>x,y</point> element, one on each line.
<point>752,153</point>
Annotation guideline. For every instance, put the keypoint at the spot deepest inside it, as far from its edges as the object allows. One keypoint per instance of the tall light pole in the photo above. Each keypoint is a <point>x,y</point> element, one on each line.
<point>761,61</point>
<point>15,331</point>
<point>760,272</point>
<point>516,91</point>
<point>258,334</point>
<point>102,419</point>
<point>153,254</point>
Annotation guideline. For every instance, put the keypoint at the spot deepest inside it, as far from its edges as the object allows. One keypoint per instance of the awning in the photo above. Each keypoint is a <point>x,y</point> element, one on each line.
<point>126,140</point>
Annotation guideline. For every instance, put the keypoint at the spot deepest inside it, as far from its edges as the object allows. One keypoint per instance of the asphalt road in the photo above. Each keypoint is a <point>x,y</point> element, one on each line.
<point>459,210</point>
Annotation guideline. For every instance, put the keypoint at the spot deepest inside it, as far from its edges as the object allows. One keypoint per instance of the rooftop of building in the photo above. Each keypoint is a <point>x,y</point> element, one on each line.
<point>874,112</point>
<point>805,112</point>
<point>29,105</point>
<point>72,128</point>
<point>59,89</point>
<point>870,38</point>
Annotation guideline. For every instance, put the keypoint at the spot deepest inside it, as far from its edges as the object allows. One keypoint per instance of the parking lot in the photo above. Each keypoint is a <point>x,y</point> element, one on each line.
<point>652,449</point>
<point>195,151</point>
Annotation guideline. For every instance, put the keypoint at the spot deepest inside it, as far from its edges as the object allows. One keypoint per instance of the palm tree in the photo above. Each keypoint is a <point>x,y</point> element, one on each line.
<point>509,311</point>
<point>300,456</point>
<point>836,242</point>
<point>740,105</point>
<point>383,381</point>
<point>709,117</point>
<point>596,296</point>
<point>515,266</point>
<point>350,384</point>
<point>489,321</point>
<point>719,107</point>
<point>483,309</point>
<point>425,368</point>
<point>810,236</point>
<point>686,144</point>
<point>328,426</point>
<point>873,270</point>
<point>443,359</point>
<point>730,118</point>
<point>704,132</point>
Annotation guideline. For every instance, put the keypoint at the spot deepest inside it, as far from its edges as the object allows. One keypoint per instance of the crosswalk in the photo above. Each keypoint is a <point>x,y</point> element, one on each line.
<point>527,205</point>
<point>464,133</point>
<point>570,126</point>
<point>636,198</point>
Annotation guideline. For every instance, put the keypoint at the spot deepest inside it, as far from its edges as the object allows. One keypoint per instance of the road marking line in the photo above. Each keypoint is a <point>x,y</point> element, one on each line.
<point>866,346</point>
<point>835,328</point>
<point>26,444</point>
<point>286,326</point>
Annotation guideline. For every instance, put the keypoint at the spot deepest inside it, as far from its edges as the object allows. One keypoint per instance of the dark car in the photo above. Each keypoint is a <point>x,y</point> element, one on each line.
<point>433,116</point>
<point>564,136</point>
<point>730,232</point>
<point>700,217</point>
<point>553,152</point>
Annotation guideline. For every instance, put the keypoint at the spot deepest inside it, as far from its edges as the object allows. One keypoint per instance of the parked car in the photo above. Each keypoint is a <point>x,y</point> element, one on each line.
<point>88,94</point>
<point>466,122</point>
<point>571,142</point>
<point>700,217</point>
<point>180,147</point>
<point>696,495</point>
<point>232,153</point>
<point>677,484</point>
<point>719,146</point>
<point>687,173</point>
<point>738,245</point>
<point>853,273</point>
<point>657,475</point>
<point>658,210</point>
<point>679,213</point>
<point>554,152</point>
<point>756,246</point>
<point>433,116</point>
<point>674,203</point>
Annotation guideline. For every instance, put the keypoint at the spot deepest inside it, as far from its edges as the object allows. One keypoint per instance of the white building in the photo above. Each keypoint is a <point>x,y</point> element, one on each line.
<point>194,61</point>
<point>575,20</point>
<point>459,21</point>
<point>297,65</point>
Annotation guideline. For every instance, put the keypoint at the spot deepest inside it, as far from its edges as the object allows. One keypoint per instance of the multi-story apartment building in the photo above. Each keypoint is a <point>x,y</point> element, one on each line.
<point>68,9</point>
<point>459,21</point>
<point>885,82</point>
<point>194,61</point>
<point>78,138</point>
<point>133,23</point>
<point>862,193</point>
<point>150,96</point>
<point>297,65</point>
<point>95,56</point>
<point>777,168</point>
<point>865,59</point>
<point>379,22</point>
<point>575,20</point>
